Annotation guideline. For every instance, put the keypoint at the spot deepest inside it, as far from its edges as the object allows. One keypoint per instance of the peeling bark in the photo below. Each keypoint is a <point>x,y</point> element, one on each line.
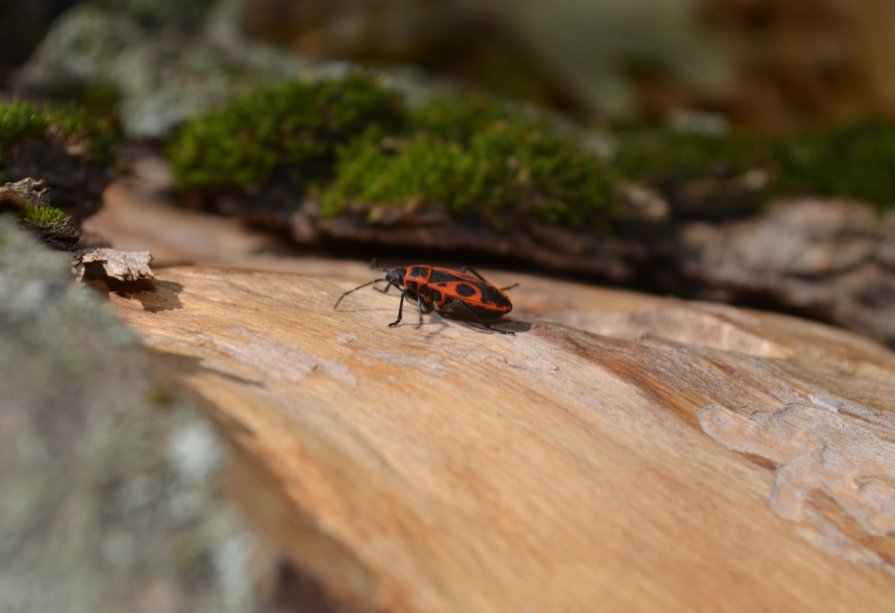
<point>115,264</point>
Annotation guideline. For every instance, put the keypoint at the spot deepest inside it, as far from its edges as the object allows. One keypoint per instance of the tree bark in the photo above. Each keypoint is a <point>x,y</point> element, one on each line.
<point>619,452</point>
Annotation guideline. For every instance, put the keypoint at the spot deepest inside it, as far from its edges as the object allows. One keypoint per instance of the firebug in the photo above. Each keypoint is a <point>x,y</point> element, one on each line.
<point>457,292</point>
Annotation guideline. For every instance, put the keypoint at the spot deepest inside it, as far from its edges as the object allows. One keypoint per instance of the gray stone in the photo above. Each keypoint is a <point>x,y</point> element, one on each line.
<point>109,497</point>
<point>161,77</point>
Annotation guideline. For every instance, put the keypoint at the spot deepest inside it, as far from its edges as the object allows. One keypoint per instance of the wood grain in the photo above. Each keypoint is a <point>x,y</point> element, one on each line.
<point>620,452</point>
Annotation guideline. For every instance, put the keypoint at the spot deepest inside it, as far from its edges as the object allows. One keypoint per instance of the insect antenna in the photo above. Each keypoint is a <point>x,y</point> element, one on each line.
<point>513,286</point>
<point>374,263</point>
<point>351,291</point>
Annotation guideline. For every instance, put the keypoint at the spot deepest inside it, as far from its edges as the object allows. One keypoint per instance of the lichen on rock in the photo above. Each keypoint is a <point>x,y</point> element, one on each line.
<point>92,466</point>
<point>151,77</point>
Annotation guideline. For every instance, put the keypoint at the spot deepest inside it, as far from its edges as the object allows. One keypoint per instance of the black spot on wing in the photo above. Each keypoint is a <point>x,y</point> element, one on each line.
<point>420,272</point>
<point>465,290</point>
<point>442,276</point>
<point>495,296</point>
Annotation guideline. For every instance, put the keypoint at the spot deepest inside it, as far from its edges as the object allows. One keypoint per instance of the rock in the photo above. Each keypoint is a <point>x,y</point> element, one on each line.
<point>637,452</point>
<point>170,14</point>
<point>823,257</point>
<point>161,77</point>
<point>19,194</point>
<point>111,499</point>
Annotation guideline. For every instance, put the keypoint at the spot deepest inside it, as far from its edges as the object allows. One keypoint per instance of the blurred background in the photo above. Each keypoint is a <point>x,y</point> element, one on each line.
<point>768,64</point>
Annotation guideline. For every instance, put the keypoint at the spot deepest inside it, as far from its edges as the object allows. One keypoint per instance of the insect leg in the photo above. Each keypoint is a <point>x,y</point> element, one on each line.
<point>483,323</point>
<point>473,271</point>
<point>419,300</point>
<point>400,312</point>
<point>351,291</point>
<point>384,291</point>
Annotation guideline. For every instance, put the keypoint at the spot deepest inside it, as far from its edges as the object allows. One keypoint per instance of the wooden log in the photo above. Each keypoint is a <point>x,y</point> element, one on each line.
<point>828,259</point>
<point>620,452</point>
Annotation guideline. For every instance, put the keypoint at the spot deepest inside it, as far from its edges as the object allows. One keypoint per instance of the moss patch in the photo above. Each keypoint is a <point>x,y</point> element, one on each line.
<point>22,121</point>
<point>352,144</point>
<point>503,168</point>
<point>68,150</point>
<point>44,216</point>
<point>19,120</point>
<point>355,142</point>
<point>29,200</point>
<point>854,160</point>
<point>291,127</point>
<point>661,155</point>
<point>460,118</point>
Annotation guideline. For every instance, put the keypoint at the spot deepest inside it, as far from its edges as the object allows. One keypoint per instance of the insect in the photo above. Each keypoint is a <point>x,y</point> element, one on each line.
<point>460,292</point>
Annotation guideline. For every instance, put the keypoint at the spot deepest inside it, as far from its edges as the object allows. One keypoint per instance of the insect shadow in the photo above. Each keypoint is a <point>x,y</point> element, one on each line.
<point>444,321</point>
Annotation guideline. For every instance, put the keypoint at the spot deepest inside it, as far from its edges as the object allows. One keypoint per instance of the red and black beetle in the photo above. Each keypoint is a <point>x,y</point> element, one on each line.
<point>459,292</point>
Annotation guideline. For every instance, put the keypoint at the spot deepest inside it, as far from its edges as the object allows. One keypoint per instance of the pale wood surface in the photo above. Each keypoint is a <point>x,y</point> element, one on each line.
<point>620,452</point>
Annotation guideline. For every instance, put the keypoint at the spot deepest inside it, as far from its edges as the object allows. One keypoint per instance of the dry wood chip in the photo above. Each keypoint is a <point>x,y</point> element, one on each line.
<point>121,265</point>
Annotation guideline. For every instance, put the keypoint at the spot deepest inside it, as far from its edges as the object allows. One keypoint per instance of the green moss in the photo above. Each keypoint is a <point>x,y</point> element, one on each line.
<point>100,99</point>
<point>854,160</point>
<point>44,216</point>
<point>459,118</point>
<point>292,125</point>
<point>662,155</point>
<point>354,140</point>
<point>20,120</point>
<point>497,164</point>
<point>69,127</point>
